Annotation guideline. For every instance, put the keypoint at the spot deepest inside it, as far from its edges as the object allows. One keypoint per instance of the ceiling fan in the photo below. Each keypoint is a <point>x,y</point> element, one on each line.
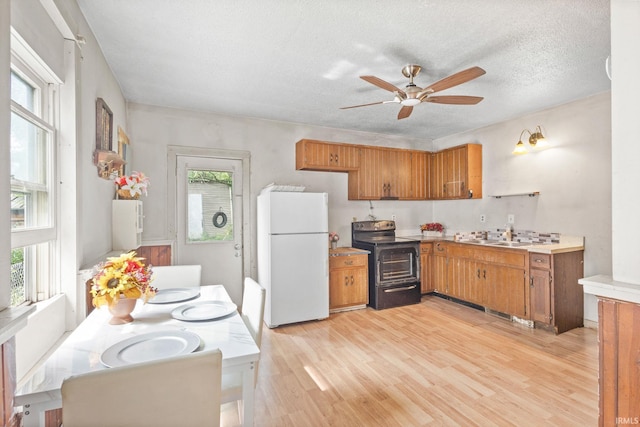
<point>414,95</point>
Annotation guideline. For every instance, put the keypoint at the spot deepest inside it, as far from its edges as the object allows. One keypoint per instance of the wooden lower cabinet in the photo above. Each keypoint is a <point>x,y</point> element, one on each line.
<point>348,279</point>
<point>557,299</point>
<point>507,290</point>
<point>427,284</point>
<point>619,349</point>
<point>439,261</point>
<point>494,278</point>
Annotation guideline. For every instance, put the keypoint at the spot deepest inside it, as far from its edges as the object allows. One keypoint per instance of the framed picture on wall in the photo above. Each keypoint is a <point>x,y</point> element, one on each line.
<point>104,126</point>
<point>123,150</point>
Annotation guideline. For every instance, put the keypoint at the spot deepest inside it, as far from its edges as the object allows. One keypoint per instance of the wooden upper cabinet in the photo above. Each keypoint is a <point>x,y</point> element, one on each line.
<point>456,173</point>
<point>381,173</point>
<point>326,156</point>
<point>420,168</point>
<point>388,173</point>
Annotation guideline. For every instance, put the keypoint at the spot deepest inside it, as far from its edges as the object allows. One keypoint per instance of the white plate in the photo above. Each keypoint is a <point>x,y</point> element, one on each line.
<point>203,310</point>
<point>167,296</point>
<point>150,346</point>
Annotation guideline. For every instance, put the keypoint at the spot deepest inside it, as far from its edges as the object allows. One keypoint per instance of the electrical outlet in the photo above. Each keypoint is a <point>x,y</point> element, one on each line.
<point>483,218</point>
<point>393,217</point>
<point>511,219</point>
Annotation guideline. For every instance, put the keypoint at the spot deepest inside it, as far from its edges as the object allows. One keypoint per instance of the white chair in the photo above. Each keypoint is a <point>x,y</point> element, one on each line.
<point>252,313</point>
<point>176,391</point>
<point>176,276</point>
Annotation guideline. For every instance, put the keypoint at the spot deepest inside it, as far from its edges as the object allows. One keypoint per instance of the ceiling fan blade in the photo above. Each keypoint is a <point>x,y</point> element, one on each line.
<point>362,105</point>
<point>405,112</point>
<point>382,84</point>
<point>454,99</point>
<point>455,79</point>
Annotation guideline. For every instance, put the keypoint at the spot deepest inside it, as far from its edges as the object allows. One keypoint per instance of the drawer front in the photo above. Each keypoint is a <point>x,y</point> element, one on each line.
<point>347,261</point>
<point>539,260</point>
<point>440,249</point>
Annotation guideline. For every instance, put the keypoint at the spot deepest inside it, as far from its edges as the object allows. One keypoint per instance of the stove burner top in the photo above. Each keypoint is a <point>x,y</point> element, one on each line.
<point>379,240</point>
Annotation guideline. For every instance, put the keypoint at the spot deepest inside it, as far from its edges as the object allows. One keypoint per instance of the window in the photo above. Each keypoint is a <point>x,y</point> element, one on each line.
<point>33,232</point>
<point>210,205</point>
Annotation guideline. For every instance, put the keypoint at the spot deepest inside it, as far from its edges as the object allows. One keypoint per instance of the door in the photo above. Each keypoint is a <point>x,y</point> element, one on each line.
<point>209,219</point>
<point>540,295</point>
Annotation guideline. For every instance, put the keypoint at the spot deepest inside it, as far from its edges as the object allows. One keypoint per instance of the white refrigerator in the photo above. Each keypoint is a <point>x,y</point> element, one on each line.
<point>293,256</point>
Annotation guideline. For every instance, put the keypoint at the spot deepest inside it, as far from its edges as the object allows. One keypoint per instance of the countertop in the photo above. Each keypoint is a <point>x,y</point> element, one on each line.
<point>347,251</point>
<point>567,244</point>
<point>607,287</point>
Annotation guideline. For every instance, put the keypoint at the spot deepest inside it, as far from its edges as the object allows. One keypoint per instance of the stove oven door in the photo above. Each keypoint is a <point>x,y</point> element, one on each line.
<point>397,276</point>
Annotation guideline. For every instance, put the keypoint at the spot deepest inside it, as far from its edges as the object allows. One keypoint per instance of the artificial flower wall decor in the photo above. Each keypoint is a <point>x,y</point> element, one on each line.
<point>131,186</point>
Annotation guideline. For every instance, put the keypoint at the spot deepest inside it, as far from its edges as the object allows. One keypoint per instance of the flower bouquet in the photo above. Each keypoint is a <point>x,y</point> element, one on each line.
<point>121,278</point>
<point>131,186</point>
<point>432,229</point>
<point>333,238</point>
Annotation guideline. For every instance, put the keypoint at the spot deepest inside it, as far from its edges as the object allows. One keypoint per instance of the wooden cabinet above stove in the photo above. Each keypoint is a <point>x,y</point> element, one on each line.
<point>383,173</point>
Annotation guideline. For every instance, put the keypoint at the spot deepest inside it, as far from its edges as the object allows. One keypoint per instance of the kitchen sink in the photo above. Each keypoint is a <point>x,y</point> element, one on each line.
<point>497,243</point>
<point>510,244</point>
<point>481,241</point>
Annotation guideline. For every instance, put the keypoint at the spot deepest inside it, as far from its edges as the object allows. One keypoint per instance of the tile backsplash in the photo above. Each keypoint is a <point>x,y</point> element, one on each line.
<point>517,236</point>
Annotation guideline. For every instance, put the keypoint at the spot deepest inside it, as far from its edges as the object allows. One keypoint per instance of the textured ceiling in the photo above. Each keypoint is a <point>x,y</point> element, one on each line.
<point>300,60</point>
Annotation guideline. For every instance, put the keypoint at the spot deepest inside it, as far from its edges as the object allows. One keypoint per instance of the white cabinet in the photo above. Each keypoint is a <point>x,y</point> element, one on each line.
<point>126,224</point>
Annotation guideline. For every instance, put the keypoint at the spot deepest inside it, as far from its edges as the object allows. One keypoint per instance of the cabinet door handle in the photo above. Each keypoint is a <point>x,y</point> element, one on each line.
<point>538,260</point>
<point>346,280</point>
<point>330,158</point>
<point>484,274</point>
<point>352,280</point>
<point>336,158</point>
<point>348,262</point>
<point>478,273</point>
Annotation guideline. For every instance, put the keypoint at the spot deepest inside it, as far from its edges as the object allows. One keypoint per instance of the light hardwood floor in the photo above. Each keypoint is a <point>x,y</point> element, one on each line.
<point>436,363</point>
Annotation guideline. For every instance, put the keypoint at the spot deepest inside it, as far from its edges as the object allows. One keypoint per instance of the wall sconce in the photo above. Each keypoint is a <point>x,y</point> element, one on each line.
<point>536,140</point>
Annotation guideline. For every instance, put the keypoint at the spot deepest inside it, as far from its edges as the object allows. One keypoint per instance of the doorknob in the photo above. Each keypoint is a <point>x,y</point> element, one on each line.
<point>237,246</point>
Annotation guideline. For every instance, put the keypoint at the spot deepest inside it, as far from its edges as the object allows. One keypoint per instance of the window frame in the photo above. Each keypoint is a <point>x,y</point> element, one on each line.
<point>41,243</point>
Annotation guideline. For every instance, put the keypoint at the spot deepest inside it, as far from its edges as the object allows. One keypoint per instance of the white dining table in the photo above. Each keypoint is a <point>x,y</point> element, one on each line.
<point>80,352</point>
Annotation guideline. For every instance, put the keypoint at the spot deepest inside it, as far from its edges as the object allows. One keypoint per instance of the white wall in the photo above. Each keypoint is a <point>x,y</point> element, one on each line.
<point>625,88</point>
<point>573,178</point>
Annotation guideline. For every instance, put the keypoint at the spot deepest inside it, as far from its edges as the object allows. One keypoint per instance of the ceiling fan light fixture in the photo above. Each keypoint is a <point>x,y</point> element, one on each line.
<point>410,102</point>
<point>413,95</point>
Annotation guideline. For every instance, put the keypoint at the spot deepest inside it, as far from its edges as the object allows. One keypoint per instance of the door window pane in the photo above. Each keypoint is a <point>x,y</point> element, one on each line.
<point>209,206</point>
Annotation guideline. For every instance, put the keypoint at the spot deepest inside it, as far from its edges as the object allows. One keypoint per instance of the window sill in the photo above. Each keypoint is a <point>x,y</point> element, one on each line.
<point>12,320</point>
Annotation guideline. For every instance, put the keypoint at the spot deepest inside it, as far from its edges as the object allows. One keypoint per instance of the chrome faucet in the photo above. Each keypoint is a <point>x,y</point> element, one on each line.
<point>508,234</point>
